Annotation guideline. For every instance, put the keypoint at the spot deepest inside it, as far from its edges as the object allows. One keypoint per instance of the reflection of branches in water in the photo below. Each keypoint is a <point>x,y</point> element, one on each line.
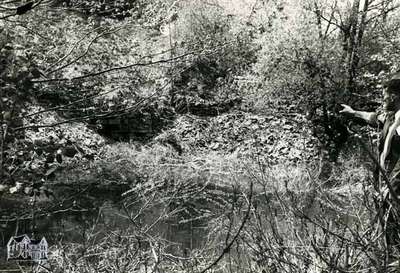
<point>278,230</point>
<point>228,246</point>
<point>143,246</point>
<point>284,235</point>
<point>54,208</point>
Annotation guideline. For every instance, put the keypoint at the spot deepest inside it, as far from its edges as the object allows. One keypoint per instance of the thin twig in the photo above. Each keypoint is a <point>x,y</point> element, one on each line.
<point>115,69</point>
<point>228,247</point>
<point>139,64</point>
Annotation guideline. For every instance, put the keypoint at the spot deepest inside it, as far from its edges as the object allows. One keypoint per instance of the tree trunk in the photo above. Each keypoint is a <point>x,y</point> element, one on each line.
<point>351,46</point>
<point>361,29</point>
<point>319,21</point>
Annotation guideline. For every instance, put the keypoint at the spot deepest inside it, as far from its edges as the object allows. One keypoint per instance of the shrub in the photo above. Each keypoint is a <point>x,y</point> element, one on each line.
<point>297,67</point>
<point>16,90</point>
<point>220,48</point>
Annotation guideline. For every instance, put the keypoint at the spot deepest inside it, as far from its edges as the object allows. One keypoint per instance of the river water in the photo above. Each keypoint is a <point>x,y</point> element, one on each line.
<point>73,213</point>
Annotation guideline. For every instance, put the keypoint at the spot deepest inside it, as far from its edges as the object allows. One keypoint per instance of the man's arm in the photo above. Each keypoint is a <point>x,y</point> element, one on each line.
<point>370,117</point>
<point>388,139</point>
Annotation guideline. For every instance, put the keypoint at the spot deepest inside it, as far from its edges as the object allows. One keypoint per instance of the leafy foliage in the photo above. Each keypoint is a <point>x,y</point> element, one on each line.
<point>222,48</point>
<point>16,90</point>
<point>301,65</point>
<point>296,64</point>
<point>118,9</point>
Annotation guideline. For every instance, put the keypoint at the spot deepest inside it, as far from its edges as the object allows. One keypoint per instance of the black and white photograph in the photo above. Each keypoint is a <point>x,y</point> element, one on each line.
<point>200,136</point>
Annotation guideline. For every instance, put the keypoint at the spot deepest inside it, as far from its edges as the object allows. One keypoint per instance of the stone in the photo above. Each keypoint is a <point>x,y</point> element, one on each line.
<point>3,187</point>
<point>28,190</point>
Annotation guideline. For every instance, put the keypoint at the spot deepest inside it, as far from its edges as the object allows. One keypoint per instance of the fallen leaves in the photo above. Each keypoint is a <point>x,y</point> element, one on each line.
<point>279,138</point>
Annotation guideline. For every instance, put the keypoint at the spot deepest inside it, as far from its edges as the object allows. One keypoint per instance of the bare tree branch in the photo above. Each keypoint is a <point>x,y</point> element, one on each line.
<point>229,245</point>
<point>75,45</point>
<point>140,64</point>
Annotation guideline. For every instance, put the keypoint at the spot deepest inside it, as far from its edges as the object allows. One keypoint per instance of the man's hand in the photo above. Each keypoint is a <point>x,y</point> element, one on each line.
<point>347,110</point>
<point>369,117</point>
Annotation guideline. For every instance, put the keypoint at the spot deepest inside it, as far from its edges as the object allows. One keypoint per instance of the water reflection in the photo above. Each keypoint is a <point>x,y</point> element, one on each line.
<point>76,216</point>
